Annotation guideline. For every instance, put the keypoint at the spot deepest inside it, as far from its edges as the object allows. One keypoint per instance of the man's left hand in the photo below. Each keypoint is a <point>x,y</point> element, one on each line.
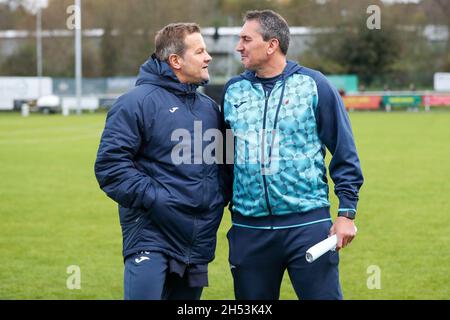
<point>344,229</point>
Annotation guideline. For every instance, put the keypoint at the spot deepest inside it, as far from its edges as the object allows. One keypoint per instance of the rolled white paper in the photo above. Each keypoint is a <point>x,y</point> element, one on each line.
<point>322,247</point>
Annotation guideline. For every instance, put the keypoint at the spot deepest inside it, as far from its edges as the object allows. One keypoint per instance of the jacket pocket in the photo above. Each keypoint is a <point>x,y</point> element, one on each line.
<point>154,207</point>
<point>155,199</point>
<point>173,223</point>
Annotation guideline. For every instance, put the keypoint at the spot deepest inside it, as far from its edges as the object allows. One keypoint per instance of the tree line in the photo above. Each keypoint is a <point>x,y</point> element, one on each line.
<point>398,53</point>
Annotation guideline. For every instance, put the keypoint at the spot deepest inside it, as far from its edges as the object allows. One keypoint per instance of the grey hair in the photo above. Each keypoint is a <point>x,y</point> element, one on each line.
<point>273,26</point>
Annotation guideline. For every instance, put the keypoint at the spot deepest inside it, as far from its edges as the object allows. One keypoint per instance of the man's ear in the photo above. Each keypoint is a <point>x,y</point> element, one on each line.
<point>174,61</point>
<point>274,44</point>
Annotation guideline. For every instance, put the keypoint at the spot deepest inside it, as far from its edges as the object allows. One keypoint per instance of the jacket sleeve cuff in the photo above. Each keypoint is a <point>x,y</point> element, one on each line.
<point>347,203</point>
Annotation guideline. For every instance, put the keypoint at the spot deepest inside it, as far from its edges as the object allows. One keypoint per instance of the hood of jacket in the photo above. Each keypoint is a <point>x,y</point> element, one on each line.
<point>158,73</point>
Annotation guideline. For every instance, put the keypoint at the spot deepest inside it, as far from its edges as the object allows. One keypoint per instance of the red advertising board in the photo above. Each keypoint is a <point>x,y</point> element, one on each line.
<point>362,102</point>
<point>436,100</point>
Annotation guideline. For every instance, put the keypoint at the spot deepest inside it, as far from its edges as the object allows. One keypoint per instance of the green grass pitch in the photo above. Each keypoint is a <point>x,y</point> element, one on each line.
<point>53,215</point>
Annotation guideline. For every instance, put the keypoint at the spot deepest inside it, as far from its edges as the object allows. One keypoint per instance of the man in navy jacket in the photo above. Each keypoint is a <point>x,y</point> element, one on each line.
<point>150,162</point>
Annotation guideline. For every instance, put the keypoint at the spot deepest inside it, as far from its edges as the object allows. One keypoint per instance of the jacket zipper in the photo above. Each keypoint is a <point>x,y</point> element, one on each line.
<point>263,160</point>
<point>190,100</point>
<point>191,244</point>
<point>276,122</point>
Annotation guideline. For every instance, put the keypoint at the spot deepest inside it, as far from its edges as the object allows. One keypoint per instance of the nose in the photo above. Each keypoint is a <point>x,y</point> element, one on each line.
<point>239,47</point>
<point>208,57</point>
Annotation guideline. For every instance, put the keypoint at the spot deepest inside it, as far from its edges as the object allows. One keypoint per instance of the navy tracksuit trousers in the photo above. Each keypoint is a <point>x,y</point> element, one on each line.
<point>259,257</point>
<point>147,277</point>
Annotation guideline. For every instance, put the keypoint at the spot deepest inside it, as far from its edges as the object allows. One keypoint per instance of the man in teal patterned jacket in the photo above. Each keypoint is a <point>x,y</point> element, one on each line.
<point>283,117</point>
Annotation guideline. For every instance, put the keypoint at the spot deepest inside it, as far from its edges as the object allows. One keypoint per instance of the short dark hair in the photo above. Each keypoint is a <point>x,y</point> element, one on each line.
<point>273,25</point>
<point>170,39</point>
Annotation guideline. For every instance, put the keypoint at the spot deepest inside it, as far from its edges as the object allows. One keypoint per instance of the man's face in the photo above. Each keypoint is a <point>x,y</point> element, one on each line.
<point>194,63</point>
<point>251,46</point>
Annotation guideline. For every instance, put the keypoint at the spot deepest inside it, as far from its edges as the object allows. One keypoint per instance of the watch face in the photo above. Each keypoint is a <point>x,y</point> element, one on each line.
<point>347,214</point>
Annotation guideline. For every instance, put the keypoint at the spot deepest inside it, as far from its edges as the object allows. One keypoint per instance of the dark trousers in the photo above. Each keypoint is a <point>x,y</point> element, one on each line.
<point>258,259</point>
<point>146,277</point>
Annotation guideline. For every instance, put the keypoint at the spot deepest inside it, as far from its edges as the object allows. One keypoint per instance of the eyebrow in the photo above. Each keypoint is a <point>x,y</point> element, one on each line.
<point>198,49</point>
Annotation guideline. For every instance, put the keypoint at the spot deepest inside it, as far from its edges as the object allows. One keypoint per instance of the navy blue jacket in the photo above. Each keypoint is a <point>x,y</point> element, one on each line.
<point>163,206</point>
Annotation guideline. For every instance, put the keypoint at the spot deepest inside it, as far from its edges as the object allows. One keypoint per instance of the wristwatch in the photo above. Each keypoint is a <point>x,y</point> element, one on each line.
<point>350,214</point>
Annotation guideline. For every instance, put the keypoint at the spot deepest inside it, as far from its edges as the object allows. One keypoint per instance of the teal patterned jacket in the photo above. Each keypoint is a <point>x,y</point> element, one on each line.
<point>280,142</point>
